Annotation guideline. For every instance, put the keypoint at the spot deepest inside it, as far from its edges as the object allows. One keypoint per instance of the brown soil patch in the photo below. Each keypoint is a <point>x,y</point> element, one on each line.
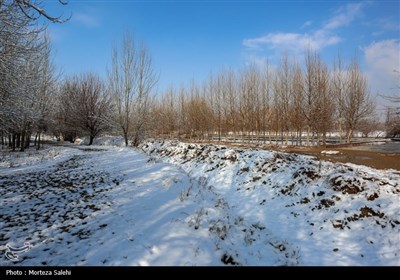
<point>368,158</point>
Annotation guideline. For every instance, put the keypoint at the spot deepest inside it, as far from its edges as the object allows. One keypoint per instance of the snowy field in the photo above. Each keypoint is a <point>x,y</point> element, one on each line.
<point>186,204</point>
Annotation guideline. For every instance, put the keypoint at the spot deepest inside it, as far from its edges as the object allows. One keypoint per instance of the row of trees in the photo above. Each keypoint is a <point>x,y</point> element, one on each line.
<point>298,101</point>
<point>288,102</point>
<point>27,78</point>
<point>33,100</point>
<point>88,106</point>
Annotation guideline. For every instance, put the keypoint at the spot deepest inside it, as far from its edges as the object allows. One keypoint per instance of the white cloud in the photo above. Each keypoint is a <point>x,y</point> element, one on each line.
<point>383,59</point>
<point>307,24</point>
<point>382,25</point>
<point>387,24</point>
<point>293,41</point>
<point>344,16</point>
<point>322,37</point>
<point>88,20</point>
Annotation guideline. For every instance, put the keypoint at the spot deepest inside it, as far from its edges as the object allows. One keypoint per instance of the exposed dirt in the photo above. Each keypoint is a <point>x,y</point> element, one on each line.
<point>357,153</point>
<point>379,160</point>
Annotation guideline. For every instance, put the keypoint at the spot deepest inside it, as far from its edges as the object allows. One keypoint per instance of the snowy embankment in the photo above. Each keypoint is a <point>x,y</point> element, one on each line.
<point>273,208</point>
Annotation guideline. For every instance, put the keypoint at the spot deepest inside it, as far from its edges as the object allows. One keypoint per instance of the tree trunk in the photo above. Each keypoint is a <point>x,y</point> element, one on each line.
<point>17,140</point>
<point>91,140</point>
<point>126,139</point>
<point>22,142</point>
<point>348,136</point>
<point>27,142</point>
<point>38,142</point>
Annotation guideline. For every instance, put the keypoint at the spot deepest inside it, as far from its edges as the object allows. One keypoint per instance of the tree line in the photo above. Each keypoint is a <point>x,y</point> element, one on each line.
<point>27,77</point>
<point>296,101</point>
<point>34,99</point>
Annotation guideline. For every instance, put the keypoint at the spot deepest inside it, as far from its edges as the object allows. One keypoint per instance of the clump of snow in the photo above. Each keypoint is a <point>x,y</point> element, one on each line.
<point>327,152</point>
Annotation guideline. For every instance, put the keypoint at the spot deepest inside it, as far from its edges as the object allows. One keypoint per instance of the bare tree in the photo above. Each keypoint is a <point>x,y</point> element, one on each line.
<point>231,89</point>
<point>338,87</point>
<point>357,103</point>
<point>318,102</point>
<point>392,122</point>
<point>146,81</point>
<point>297,102</point>
<point>198,112</point>
<point>324,109</point>
<point>45,95</point>
<point>167,113</point>
<point>310,88</point>
<point>26,72</point>
<point>131,80</point>
<point>34,9</point>
<point>215,95</point>
<point>182,112</point>
<point>282,90</point>
<point>266,111</point>
<point>122,81</point>
<point>86,104</point>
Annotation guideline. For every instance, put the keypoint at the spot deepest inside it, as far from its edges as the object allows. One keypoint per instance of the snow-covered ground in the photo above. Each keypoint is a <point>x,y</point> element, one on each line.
<point>186,204</point>
<point>29,157</point>
<point>272,208</point>
<point>115,141</point>
<point>101,207</point>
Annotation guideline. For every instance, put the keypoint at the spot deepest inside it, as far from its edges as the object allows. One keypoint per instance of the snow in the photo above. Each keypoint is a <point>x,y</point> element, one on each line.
<point>29,157</point>
<point>189,204</point>
<point>102,207</point>
<point>287,209</point>
<point>378,143</point>
<point>116,141</point>
<point>330,152</point>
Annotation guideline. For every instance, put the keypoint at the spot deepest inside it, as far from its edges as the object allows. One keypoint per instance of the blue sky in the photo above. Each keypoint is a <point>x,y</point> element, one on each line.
<point>188,39</point>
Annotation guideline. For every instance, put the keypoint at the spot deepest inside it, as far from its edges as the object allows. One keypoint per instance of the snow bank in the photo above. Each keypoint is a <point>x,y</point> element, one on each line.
<point>273,208</point>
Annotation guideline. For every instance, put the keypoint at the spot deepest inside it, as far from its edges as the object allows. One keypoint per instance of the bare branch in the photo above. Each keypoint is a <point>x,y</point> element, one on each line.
<point>27,6</point>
